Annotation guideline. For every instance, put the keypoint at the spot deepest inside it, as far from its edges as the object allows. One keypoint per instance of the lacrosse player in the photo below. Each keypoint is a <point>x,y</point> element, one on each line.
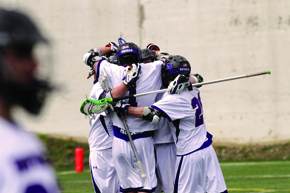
<point>197,168</point>
<point>100,143</point>
<point>128,54</point>
<point>23,167</point>
<point>163,139</point>
<point>104,175</point>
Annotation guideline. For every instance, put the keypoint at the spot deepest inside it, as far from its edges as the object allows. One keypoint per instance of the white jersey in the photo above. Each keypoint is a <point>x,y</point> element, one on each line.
<point>22,164</point>
<point>101,133</point>
<point>197,168</point>
<point>185,112</point>
<point>150,80</point>
<point>162,134</point>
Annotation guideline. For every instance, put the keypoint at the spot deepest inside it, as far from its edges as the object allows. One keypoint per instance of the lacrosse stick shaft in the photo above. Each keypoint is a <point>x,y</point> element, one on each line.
<point>143,175</point>
<point>198,84</point>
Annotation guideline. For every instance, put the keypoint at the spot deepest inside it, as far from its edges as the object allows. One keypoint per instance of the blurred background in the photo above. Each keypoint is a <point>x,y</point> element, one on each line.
<point>221,39</point>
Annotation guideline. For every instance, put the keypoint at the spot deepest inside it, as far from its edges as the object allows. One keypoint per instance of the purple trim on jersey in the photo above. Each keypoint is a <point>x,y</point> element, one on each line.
<point>29,162</point>
<point>101,95</point>
<point>154,107</point>
<point>205,144</point>
<point>118,134</point>
<point>127,51</point>
<point>177,176</point>
<point>98,71</point>
<point>97,190</point>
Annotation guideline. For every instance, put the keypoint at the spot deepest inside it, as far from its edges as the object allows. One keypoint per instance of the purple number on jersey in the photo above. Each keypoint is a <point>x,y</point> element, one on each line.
<point>196,104</point>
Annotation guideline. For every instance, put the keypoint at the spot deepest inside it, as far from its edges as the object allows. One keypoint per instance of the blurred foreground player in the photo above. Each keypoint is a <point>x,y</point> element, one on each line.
<point>22,164</point>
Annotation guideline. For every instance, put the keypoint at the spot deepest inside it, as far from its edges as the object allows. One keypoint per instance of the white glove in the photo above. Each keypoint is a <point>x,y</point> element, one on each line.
<point>151,115</point>
<point>197,79</point>
<point>178,84</point>
<point>113,46</point>
<point>161,55</point>
<point>93,56</point>
<point>132,75</point>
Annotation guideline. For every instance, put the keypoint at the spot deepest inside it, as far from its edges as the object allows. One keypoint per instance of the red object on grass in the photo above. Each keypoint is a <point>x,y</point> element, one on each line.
<point>79,159</point>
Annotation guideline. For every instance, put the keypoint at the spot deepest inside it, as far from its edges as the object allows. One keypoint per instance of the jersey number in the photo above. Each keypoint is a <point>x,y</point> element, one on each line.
<point>196,104</point>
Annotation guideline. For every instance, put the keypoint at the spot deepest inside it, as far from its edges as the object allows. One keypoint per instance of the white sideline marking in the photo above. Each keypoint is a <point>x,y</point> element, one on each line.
<point>70,172</point>
<point>254,163</point>
<point>259,176</point>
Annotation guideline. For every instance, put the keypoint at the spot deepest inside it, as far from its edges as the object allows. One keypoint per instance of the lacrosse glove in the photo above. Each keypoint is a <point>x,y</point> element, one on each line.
<point>113,46</point>
<point>198,79</point>
<point>132,75</point>
<point>121,108</point>
<point>178,84</point>
<point>93,56</point>
<point>151,115</point>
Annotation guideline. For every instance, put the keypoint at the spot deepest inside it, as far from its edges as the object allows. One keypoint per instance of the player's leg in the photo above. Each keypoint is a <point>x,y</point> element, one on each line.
<point>166,157</point>
<point>103,171</point>
<point>190,173</point>
<point>215,181</point>
<point>127,167</point>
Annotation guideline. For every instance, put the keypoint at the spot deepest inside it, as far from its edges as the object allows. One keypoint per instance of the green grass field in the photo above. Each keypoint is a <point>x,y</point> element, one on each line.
<point>246,177</point>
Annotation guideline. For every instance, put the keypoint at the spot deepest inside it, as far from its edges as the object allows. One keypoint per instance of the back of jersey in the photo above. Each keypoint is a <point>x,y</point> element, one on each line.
<point>101,133</point>
<point>22,164</point>
<point>185,112</point>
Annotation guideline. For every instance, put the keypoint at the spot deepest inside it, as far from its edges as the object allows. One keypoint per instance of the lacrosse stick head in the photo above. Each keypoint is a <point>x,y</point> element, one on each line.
<point>90,106</point>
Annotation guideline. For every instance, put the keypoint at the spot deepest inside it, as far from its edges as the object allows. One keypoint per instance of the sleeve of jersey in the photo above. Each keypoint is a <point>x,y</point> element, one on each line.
<point>96,92</point>
<point>173,107</point>
<point>106,66</point>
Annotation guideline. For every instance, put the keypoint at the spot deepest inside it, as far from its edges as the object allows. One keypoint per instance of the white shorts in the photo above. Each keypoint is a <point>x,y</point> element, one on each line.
<point>199,172</point>
<point>166,157</point>
<point>103,171</point>
<point>126,165</point>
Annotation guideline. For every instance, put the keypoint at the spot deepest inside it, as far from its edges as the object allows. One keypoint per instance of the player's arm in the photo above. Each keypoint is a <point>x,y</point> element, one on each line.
<point>146,113</point>
<point>93,59</point>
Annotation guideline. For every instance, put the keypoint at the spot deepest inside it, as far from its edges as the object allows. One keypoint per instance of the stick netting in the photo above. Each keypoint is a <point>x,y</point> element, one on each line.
<point>90,107</point>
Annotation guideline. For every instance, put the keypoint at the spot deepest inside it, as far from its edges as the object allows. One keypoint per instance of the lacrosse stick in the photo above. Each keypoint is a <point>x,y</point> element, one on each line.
<point>143,175</point>
<point>95,107</point>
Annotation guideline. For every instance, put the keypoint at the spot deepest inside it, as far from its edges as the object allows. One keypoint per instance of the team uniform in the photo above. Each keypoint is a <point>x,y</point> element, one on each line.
<point>197,168</point>
<point>141,131</point>
<point>165,154</point>
<point>23,167</point>
<point>104,175</point>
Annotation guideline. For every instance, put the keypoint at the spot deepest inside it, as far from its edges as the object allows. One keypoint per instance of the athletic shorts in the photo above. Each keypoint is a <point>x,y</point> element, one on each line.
<point>126,164</point>
<point>166,157</point>
<point>199,172</point>
<point>104,175</point>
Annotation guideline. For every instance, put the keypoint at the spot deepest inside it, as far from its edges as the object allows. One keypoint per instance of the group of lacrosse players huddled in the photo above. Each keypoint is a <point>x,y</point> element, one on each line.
<point>174,151</point>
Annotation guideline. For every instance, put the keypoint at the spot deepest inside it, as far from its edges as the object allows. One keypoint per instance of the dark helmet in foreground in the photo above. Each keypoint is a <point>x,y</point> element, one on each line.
<point>146,53</point>
<point>128,53</point>
<point>16,29</point>
<point>173,66</point>
<point>18,35</point>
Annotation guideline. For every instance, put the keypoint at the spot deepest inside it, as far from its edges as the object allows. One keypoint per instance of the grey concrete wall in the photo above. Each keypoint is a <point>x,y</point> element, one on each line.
<point>221,39</point>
